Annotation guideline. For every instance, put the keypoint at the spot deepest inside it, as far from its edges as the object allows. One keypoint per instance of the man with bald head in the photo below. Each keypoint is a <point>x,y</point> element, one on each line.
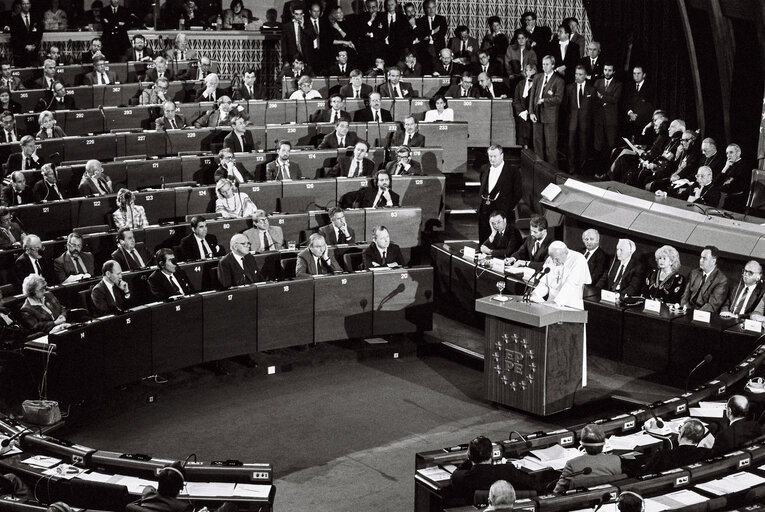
<point>704,191</point>
<point>238,267</point>
<point>94,182</point>
<point>446,65</point>
<point>564,283</point>
<point>734,179</point>
<point>597,258</point>
<point>315,259</point>
<point>707,287</point>
<point>740,429</point>
<point>746,297</point>
<point>171,119</point>
<point>31,261</point>
<point>111,295</point>
<point>625,275</point>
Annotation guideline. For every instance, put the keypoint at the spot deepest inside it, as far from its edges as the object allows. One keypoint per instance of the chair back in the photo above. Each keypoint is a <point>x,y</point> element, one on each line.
<point>756,200</point>
<point>288,268</point>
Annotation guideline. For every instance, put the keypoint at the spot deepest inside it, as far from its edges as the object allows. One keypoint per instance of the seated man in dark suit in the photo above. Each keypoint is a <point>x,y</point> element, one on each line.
<point>11,233</point>
<point>597,258</point>
<point>230,169</point>
<point>394,87</point>
<point>240,139</point>
<point>380,195</point>
<point>446,65</point>
<point>355,88</point>
<point>707,287</point>
<point>221,116</point>
<point>47,188</point>
<point>340,137</point>
<point>704,191</point>
<point>209,90</point>
<point>533,252</point>
<point>315,259</point>
<point>739,431</point>
<point>94,182</point>
<point>486,65</point>
<point>17,192</point>
<point>464,89</point>
<point>49,76</point>
<point>128,255</point>
<point>357,166</point>
<point>382,252</point>
<point>55,100</point>
<point>200,245</point>
<point>338,232</point>
<point>96,45</point>
<point>493,90</point>
<point>111,295</point>
<point>74,264</point>
<point>138,52</point>
<point>99,75</point>
<point>168,280</point>
<point>747,296</point>
<point>238,267</point>
<point>478,472</point>
<point>27,159</point>
<point>734,179</point>
<point>249,90</point>
<point>282,169</point>
<point>409,66</point>
<point>171,119</point>
<point>625,275</point>
<point>31,261</point>
<point>373,113</point>
<point>333,113</point>
<point>409,136</point>
<point>404,165</point>
<point>505,238</point>
<point>160,69</point>
<point>687,451</point>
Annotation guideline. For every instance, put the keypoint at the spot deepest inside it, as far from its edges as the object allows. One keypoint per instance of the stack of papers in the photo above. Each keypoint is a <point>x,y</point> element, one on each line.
<point>677,499</point>
<point>256,491</point>
<point>41,461</point>
<point>434,473</point>
<point>630,442</point>
<point>708,410</point>
<point>554,457</point>
<point>732,483</point>
<point>208,489</point>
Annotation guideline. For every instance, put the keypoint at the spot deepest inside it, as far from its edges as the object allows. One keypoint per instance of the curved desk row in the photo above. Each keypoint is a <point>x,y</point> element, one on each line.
<point>116,350</point>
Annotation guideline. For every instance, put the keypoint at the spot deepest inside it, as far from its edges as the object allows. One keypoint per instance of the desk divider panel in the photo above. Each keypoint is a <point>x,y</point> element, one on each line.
<point>431,159</point>
<point>99,147</point>
<point>276,111</point>
<point>348,187</point>
<point>83,96</point>
<point>132,117</point>
<point>49,220</point>
<point>258,111</point>
<point>164,237</point>
<point>343,307</point>
<point>432,85</point>
<point>418,107</point>
<point>399,108</point>
<point>297,134</point>
<point>27,98</point>
<point>46,148</point>
<point>193,200</point>
<point>477,113</point>
<point>610,213</point>
<point>352,105</point>
<point>126,347</point>
<point>200,169</point>
<point>285,314</point>
<point>427,192</point>
<point>378,133</point>
<point>502,123</point>
<point>224,229</point>
<point>292,225</point>
<point>313,162</point>
<point>158,204</point>
<point>453,137</point>
<point>149,144</point>
<point>357,220</point>
<point>255,163</point>
<point>169,350</point>
<point>306,111</point>
<point>223,338</point>
<point>258,137</point>
<point>90,211</point>
<point>83,122</point>
<point>264,195</point>
<point>198,272</point>
<point>463,283</point>
<point>309,194</point>
<point>727,238</point>
<point>153,173</point>
<point>79,348</point>
<point>403,300</point>
<point>189,140</point>
<point>404,224</point>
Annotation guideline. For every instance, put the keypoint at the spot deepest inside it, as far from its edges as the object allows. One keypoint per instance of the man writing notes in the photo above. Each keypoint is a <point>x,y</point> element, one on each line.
<point>568,274</point>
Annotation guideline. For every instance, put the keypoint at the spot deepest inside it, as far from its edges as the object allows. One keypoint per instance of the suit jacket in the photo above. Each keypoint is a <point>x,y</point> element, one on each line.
<point>570,60</point>
<point>365,116</point>
<point>21,37</point>
<point>415,141</point>
<point>211,119</point>
<point>735,436</point>
<point>499,88</point>
<point>424,30</point>
<point>63,266</point>
<point>231,141</point>
<point>754,298</point>
<point>593,72</point>
<point>306,267</point>
<point>602,464</point>
<point>373,258</point>
<point>493,69</point>
<point>14,162</point>
<point>469,55</point>
<point>607,107</point>
<point>579,114</point>
<point>130,54</point>
<point>710,194</point>
<point>222,172</point>
<point>631,279</point>
<point>242,94</point>
<point>330,140</point>
<point>23,267</point>
<point>87,188</point>
<point>5,240</point>
<point>513,65</point>
<point>683,455</point>
<point>709,297</point>
<point>407,72</point>
<point>230,273</point>
<point>104,303</point>
<point>114,34</point>
<point>366,197</point>
<point>161,288</point>
<point>325,116</point>
<point>255,238</point>
<point>14,83</point>
<point>547,112</point>
<point>505,245</point>
<point>735,179</point>
<point>505,194</point>
<point>4,139</point>
<point>36,319</point>
<point>541,38</point>
<point>334,70</point>
<point>48,102</point>
<point>274,172</point>
<point>127,262</point>
<point>455,91</point>
<point>328,232</point>
<point>346,91</point>
<point>469,478</point>
<point>171,54</point>
<point>415,169</point>
<point>151,75</point>
<point>454,69</point>
<point>190,248</point>
<point>343,165</point>
<point>162,124</point>
<point>524,253</point>
<point>598,263</point>
<point>406,90</point>
<point>92,78</point>
<point>638,102</point>
<point>218,93</point>
<point>10,197</point>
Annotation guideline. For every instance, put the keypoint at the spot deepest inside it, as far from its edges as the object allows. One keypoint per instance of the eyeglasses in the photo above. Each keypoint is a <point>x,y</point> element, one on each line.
<point>748,272</point>
<point>248,244</point>
<point>262,219</point>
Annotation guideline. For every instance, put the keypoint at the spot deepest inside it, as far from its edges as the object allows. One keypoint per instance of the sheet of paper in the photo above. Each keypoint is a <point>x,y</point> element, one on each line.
<point>135,485</point>
<point>64,471</point>
<point>95,476</point>
<point>532,464</point>
<point>252,491</point>
<point>434,473</point>
<point>207,489</point>
<point>702,412</point>
<point>41,461</point>
<point>731,483</point>
<point>712,405</point>
<point>674,500</point>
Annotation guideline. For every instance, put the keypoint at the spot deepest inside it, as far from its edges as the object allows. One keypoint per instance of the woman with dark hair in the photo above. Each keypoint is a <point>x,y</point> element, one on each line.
<point>6,103</point>
<point>237,16</point>
<point>441,112</point>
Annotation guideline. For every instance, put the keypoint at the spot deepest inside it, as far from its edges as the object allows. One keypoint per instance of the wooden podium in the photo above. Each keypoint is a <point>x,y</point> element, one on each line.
<point>533,355</point>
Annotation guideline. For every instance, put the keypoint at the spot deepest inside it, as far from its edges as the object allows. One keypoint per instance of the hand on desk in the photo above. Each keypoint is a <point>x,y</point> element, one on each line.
<point>485,250</point>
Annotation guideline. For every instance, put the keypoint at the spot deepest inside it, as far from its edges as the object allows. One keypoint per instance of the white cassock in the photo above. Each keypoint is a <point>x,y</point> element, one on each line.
<point>564,286</point>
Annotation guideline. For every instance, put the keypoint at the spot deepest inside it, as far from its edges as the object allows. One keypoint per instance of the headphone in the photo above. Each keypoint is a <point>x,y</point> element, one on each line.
<point>59,506</point>
<point>176,471</point>
<point>125,198</point>
<point>630,493</point>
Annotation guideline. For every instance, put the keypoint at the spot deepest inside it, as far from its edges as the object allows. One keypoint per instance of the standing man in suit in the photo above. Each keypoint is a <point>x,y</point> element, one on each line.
<point>374,113</point>
<point>593,64</point>
<point>282,169</point>
<point>518,56</point>
<point>111,295</point>
<point>18,192</point>
<point>533,252</point>
<point>464,47</point>
<point>566,54</point>
<point>500,190</point>
<point>139,52</point>
<point>355,167</point>
<point>637,104</point>
<point>99,75</point>
<point>734,179</point>
<point>707,287</point>
<point>394,87</point>
<point>338,232</point>
<point>597,258</point>
<point>504,239</point>
<point>262,236</point>
<point>240,139</point>
<point>740,430</point>
<point>370,34</point>
<point>382,252</point>
<point>409,136</point>
<point>315,260</point>
<point>115,22</point>
<point>27,159</point>
<point>128,255</point>
<point>316,28</point>
<point>249,90</point>
<point>200,245</point>
<point>47,188</point>
<point>746,297</point>
<point>340,137</point>
<point>238,267</point>
<point>380,195</point>
<point>625,275</point>
<point>74,264</point>
<point>355,88</point>
<point>539,35</point>
<point>171,119</point>
<point>26,35</point>
<point>168,280</point>
<point>404,165</point>
<point>605,120</point>
<point>580,97</point>
<point>94,182</point>
<point>522,107</point>
<point>333,113</point>
<point>546,97</point>
<point>431,31</point>
<point>395,28</point>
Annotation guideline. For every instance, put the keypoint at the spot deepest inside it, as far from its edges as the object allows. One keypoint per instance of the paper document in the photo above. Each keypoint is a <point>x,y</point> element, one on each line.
<point>732,483</point>
<point>555,456</point>
<point>706,412</point>
<point>208,489</point>
<point>256,491</point>
<point>673,500</point>
<point>41,461</point>
<point>630,442</point>
<point>434,473</point>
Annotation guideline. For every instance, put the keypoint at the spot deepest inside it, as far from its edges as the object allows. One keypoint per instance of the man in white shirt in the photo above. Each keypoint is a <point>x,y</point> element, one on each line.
<point>564,283</point>
<point>746,296</point>
<point>281,168</point>
<point>262,236</point>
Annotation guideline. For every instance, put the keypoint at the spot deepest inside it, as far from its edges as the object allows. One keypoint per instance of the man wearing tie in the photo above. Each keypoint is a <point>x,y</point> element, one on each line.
<point>139,51</point>
<point>171,119</point>
<point>521,107</point>
<point>546,97</point>
<point>593,64</point>
<point>11,233</point>
<point>395,88</point>
<point>409,136</point>
<point>338,231</point>
<point>605,119</point>
<point>74,264</point>
<point>333,113</point>
<point>9,133</point>
<point>746,298</point>
<point>200,245</point>
<point>111,295</point>
<point>240,139</point>
<point>17,193</point>
<point>355,167</point>
<point>533,252</point>
<point>707,287</point>
<point>490,89</point>
<point>340,137</point>
<point>404,165</point>
<point>128,254</point>
<point>625,275</point>
<point>238,267</point>
<point>27,159</point>
<point>374,113</point>
<point>380,195</point>
<point>248,90</point>
<point>94,182</point>
<point>355,88</point>
<point>56,100</point>
<point>500,190</point>
<point>465,88</point>
<point>31,261</point>
<point>168,280</point>
<point>8,81</point>
<point>26,34</point>
<point>99,75</point>
<point>47,188</point>
<point>115,22</point>
<point>49,75</point>
<point>580,98</point>
<point>597,258</point>
<point>281,168</point>
<point>315,260</point>
<point>382,252</point>
<point>262,236</point>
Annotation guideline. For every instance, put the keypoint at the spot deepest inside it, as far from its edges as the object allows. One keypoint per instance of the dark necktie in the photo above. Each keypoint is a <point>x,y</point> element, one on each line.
<point>75,265</point>
<point>400,169</point>
<point>177,285</point>
<point>738,305</point>
<point>266,244</point>
<point>698,292</point>
<point>341,239</point>
<point>205,250</point>
<point>172,124</point>
<point>384,254</point>
<point>618,278</point>
<point>377,116</point>
<point>581,96</point>
<point>37,267</point>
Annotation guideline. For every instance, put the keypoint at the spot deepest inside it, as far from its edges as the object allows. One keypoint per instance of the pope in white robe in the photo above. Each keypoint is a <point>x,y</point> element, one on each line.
<point>564,284</point>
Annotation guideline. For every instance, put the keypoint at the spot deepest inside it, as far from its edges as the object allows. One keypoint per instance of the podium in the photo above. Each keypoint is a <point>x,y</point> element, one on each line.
<point>533,355</point>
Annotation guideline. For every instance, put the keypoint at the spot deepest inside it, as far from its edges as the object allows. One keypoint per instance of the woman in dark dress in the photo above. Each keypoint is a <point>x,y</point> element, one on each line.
<point>665,283</point>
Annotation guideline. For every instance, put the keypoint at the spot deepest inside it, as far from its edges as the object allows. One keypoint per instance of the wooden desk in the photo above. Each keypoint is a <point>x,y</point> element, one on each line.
<point>403,300</point>
<point>343,307</point>
<point>285,312</point>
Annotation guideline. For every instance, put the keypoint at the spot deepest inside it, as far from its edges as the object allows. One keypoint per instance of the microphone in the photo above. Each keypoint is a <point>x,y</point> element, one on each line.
<point>533,282</point>
<point>659,421</point>
<point>603,499</point>
<point>5,443</point>
<point>101,110</point>
<point>305,107</point>
<point>707,359</point>
<point>526,442</point>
